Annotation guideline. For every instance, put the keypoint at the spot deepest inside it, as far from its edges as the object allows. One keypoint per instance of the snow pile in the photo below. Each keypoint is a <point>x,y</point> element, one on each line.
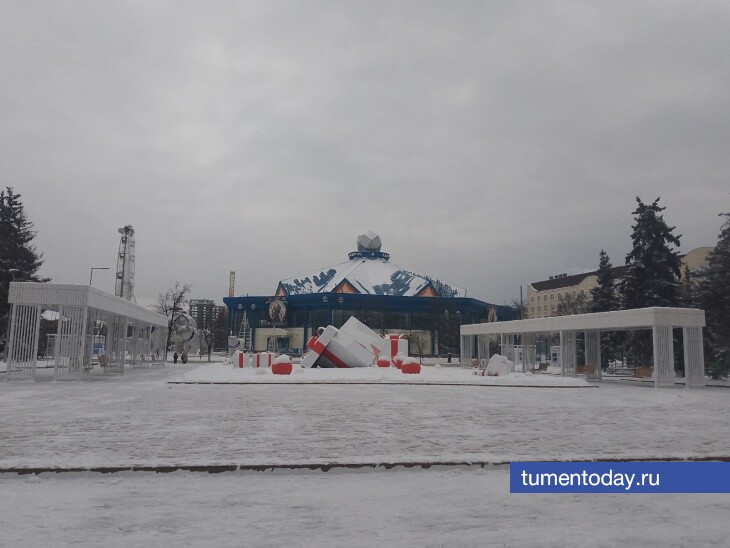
<point>499,366</point>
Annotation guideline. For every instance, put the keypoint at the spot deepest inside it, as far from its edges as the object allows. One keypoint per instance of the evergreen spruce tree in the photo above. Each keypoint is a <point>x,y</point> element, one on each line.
<point>16,250</point>
<point>603,296</point>
<point>653,274</point>
<point>714,298</point>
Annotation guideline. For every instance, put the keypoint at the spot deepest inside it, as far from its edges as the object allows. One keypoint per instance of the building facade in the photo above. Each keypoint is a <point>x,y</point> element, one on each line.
<point>379,293</point>
<point>208,315</point>
<point>203,312</point>
<point>543,297</point>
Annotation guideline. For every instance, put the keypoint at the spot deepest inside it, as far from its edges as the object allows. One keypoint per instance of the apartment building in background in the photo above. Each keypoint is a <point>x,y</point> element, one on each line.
<point>543,297</point>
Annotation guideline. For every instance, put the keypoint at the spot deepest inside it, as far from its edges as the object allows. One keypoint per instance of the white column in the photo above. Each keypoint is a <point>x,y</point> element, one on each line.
<point>528,351</point>
<point>9,343</point>
<point>57,341</point>
<point>508,350</point>
<point>694,359</point>
<point>593,353</point>
<point>82,341</point>
<point>123,345</point>
<point>663,355</point>
<point>483,349</point>
<point>36,338</point>
<point>568,349</point>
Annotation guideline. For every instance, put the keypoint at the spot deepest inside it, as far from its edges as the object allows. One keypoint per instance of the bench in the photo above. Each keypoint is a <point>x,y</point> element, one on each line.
<point>643,372</point>
<point>621,371</point>
<point>586,370</point>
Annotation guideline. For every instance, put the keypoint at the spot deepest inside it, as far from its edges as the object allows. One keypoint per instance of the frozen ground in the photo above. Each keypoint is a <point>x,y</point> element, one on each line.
<point>142,420</point>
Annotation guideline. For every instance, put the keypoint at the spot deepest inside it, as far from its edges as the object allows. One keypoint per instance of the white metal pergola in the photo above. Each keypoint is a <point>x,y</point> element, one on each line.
<point>661,321</point>
<point>132,333</point>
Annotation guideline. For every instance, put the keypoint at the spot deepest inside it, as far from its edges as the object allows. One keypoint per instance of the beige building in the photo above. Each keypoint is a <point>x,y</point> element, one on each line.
<point>543,297</point>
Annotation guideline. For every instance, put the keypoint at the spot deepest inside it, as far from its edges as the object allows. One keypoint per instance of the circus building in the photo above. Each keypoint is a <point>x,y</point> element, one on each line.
<point>383,295</point>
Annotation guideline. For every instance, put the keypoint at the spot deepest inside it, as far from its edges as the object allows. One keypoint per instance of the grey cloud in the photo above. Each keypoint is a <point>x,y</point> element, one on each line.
<point>490,144</point>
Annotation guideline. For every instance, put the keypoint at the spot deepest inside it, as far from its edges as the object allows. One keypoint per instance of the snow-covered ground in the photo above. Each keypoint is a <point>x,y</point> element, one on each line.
<point>141,419</point>
<point>437,507</point>
<point>225,373</point>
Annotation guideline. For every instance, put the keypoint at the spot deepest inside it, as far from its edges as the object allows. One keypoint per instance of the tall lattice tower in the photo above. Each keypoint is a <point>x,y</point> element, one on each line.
<point>125,265</point>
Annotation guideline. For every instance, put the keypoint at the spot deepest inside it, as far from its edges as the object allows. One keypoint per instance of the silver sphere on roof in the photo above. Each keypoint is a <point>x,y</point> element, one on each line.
<point>369,242</point>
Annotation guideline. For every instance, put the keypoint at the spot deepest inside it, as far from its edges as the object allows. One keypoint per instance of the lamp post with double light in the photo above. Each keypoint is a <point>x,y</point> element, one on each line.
<point>91,275</point>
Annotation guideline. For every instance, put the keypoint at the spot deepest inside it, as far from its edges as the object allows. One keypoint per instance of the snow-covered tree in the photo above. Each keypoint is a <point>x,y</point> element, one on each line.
<point>653,273</point>
<point>19,258</point>
<point>714,298</point>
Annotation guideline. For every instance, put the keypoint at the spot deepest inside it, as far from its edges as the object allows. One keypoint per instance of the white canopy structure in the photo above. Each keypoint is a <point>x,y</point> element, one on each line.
<point>94,328</point>
<point>661,321</point>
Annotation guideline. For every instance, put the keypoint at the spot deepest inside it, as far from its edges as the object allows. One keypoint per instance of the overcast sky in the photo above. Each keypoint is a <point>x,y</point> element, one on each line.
<point>489,144</point>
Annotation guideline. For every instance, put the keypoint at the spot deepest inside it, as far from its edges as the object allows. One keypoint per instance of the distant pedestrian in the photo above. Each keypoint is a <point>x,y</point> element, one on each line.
<point>174,358</point>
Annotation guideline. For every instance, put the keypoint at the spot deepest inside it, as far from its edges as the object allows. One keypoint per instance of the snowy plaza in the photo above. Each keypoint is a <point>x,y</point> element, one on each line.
<point>152,418</point>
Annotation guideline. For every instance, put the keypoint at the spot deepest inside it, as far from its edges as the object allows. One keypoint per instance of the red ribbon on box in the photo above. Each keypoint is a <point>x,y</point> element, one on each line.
<point>393,344</point>
<point>315,346</point>
<point>319,348</point>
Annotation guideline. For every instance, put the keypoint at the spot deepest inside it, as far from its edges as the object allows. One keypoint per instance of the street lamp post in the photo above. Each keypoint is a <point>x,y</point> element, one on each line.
<point>91,275</point>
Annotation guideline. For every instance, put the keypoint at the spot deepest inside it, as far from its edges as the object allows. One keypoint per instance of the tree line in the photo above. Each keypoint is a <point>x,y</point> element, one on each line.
<point>653,277</point>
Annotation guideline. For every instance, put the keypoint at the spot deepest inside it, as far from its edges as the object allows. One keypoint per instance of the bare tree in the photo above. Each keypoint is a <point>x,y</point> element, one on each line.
<point>173,304</point>
<point>207,335</point>
<point>572,304</point>
<point>416,342</point>
<point>519,307</point>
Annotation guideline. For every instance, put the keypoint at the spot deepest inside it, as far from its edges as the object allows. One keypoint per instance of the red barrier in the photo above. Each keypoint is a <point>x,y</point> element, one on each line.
<point>240,359</point>
<point>383,361</point>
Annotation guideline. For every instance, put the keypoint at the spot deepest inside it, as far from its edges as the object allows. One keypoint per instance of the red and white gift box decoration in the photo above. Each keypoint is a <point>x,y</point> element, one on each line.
<point>337,349</point>
<point>388,346</point>
<point>240,359</point>
<point>262,359</point>
<point>410,366</point>
<point>282,365</point>
<point>396,345</point>
<point>353,345</point>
